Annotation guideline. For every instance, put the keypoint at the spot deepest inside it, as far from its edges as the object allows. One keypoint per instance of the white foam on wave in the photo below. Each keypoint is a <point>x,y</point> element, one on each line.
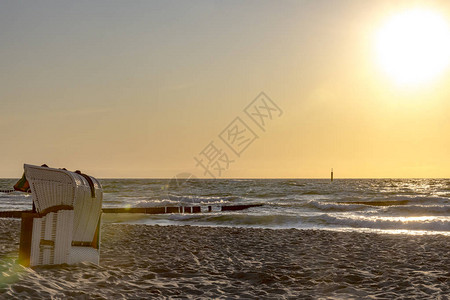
<point>333,206</point>
<point>320,205</point>
<point>418,210</point>
<point>198,199</point>
<point>306,220</point>
<point>431,223</point>
<point>417,199</point>
<point>156,203</point>
<point>293,220</point>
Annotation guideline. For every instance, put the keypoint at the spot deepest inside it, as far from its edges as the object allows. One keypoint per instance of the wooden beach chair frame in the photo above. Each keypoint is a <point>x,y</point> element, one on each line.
<point>65,229</point>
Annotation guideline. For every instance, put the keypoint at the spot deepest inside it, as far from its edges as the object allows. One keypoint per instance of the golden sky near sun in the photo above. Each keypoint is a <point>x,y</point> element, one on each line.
<point>139,89</point>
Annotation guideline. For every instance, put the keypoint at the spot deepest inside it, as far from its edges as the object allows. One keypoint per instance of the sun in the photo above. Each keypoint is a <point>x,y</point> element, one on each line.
<point>413,47</point>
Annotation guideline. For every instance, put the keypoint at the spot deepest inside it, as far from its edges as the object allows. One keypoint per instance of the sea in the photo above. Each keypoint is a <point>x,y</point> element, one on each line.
<point>406,206</point>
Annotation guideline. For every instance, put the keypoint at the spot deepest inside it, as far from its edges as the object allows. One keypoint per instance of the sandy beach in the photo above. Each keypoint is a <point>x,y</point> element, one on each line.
<point>141,261</point>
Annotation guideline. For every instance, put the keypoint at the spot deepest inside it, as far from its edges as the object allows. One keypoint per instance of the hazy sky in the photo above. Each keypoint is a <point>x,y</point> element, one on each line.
<point>140,88</point>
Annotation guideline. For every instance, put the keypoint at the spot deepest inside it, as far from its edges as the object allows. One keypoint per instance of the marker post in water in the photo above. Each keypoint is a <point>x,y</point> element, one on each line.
<point>331,174</point>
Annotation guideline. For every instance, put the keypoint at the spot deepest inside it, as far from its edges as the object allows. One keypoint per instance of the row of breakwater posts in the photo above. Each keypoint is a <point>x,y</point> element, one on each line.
<point>147,210</point>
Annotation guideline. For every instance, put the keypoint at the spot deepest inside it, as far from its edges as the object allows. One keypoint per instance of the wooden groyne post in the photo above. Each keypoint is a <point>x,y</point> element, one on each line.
<point>145,210</point>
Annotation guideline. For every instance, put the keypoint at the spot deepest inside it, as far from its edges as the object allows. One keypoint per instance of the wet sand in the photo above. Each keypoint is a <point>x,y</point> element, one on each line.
<point>140,261</point>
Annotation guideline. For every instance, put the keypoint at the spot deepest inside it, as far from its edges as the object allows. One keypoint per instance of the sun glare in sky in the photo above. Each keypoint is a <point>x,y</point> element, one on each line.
<point>413,47</point>
<point>139,89</point>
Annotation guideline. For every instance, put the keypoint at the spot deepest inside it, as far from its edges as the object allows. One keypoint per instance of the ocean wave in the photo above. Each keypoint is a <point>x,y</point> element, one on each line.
<point>320,205</point>
<point>168,199</point>
<point>398,200</point>
<point>155,203</point>
<point>405,223</point>
<point>320,220</point>
<point>419,199</point>
<point>418,210</point>
<point>312,192</point>
<point>200,200</point>
<point>239,219</point>
<point>333,206</point>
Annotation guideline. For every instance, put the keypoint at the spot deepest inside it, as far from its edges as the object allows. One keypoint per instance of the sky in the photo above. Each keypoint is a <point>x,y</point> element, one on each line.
<point>141,89</point>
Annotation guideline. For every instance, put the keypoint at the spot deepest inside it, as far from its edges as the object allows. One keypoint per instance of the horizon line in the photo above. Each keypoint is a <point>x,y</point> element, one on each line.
<point>255,178</point>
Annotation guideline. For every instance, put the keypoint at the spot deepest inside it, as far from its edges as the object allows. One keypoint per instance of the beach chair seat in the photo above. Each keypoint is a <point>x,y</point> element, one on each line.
<point>66,225</point>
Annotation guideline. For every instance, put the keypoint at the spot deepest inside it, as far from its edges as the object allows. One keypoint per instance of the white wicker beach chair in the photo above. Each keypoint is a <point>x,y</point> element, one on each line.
<point>66,225</point>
